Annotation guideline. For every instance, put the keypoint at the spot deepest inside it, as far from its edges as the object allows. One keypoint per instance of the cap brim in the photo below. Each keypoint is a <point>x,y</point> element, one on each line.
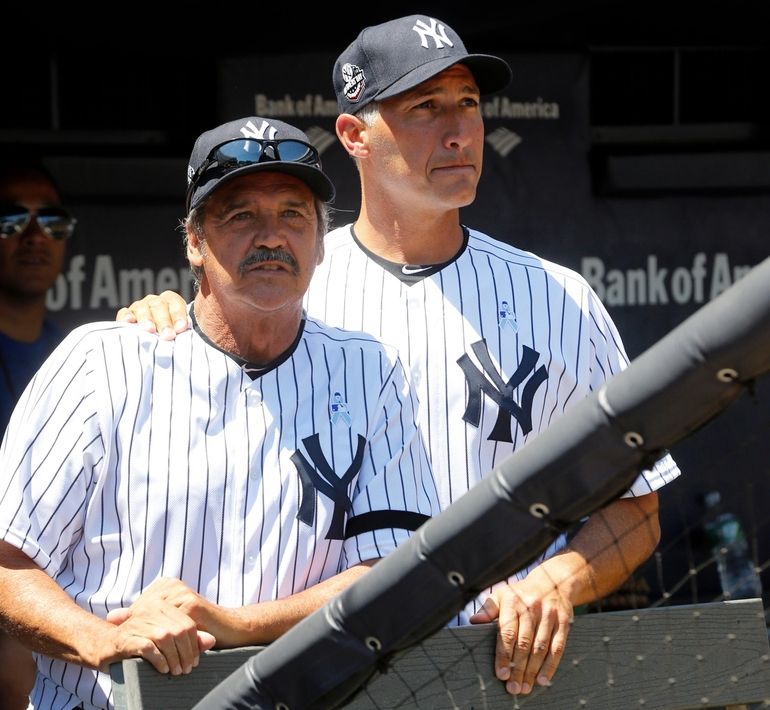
<point>491,74</point>
<point>316,180</point>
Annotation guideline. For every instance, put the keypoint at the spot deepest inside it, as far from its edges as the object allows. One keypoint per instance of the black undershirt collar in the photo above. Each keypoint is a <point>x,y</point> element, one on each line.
<point>411,274</point>
<point>251,369</point>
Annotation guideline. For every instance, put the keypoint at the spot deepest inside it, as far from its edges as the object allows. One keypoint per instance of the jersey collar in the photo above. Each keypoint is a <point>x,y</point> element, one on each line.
<point>411,274</point>
<point>251,369</point>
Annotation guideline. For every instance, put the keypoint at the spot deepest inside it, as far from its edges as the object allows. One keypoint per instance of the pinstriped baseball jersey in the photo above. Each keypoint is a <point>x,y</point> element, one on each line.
<point>129,458</point>
<point>499,343</point>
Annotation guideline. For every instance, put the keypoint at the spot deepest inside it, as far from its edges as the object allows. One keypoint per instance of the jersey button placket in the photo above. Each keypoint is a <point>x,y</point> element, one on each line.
<point>415,307</point>
<point>253,402</point>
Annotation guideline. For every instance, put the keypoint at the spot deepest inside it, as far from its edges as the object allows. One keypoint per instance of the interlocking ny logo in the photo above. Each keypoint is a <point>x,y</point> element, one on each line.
<point>251,131</point>
<point>501,392</point>
<point>321,477</point>
<point>435,31</point>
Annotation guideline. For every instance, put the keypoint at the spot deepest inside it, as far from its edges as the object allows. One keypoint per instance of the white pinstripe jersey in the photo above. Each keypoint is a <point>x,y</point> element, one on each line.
<point>130,458</point>
<point>499,343</point>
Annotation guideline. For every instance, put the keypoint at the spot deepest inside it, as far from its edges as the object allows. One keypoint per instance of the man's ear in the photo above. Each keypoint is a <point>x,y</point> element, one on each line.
<point>194,255</point>
<point>352,133</point>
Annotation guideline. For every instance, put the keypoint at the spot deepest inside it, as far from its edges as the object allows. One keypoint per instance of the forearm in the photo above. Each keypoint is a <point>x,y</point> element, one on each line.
<point>36,611</point>
<point>261,623</point>
<point>604,553</point>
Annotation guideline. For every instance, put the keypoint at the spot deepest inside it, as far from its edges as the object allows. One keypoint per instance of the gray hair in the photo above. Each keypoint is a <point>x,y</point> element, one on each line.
<point>369,113</point>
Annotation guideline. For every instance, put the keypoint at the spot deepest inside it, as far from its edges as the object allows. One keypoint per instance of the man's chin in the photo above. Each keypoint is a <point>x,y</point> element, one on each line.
<point>33,289</point>
<point>460,194</point>
<point>463,198</point>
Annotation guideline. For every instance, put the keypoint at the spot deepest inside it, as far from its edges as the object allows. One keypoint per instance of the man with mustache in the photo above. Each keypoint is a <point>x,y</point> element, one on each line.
<point>161,498</point>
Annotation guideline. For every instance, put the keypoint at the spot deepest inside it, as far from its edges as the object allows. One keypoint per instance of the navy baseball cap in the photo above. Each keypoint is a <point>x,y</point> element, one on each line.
<point>393,57</point>
<point>247,145</point>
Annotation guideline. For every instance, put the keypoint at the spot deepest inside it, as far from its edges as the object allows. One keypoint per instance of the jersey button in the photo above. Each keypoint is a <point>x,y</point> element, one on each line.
<point>254,398</point>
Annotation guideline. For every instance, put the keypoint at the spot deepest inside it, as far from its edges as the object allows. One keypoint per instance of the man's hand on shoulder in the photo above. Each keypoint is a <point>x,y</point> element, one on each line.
<point>164,314</point>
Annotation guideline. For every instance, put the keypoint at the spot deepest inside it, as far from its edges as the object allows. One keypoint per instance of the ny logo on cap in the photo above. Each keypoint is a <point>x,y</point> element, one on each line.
<point>251,131</point>
<point>436,31</point>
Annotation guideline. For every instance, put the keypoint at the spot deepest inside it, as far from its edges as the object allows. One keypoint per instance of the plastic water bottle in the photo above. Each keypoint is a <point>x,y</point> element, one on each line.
<point>737,572</point>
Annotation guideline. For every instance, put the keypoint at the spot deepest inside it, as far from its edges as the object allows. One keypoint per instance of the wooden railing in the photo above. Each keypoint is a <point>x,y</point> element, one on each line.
<point>669,658</point>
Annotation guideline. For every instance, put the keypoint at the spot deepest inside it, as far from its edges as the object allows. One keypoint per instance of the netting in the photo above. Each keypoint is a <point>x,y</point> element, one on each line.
<point>342,653</point>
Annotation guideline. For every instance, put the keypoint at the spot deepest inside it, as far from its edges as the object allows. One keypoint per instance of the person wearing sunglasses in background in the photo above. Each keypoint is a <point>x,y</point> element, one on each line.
<point>166,496</point>
<point>34,228</point>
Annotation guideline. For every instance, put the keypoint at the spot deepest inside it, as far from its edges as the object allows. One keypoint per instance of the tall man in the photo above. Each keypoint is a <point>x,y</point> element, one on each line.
<point>499,341</point>
<point>159,497</point>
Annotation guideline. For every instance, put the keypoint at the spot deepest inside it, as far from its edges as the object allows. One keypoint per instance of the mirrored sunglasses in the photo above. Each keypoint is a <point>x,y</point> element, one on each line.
<point>240,152</point>
<point>56,222</point>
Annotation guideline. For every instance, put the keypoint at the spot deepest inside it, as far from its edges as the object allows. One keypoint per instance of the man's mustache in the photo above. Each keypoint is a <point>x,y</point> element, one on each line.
<point>259,256</point>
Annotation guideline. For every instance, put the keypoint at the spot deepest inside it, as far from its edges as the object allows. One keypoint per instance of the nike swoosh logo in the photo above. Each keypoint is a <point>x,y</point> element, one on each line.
<point>410,270</point>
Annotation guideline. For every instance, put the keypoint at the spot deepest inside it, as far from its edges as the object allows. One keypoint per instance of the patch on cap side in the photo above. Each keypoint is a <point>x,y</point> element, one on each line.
<point>355,82</point>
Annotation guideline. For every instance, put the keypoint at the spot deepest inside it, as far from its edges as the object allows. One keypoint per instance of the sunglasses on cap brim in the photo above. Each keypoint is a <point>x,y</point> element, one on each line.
<point>55,222</point>
<point>240,152</point>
